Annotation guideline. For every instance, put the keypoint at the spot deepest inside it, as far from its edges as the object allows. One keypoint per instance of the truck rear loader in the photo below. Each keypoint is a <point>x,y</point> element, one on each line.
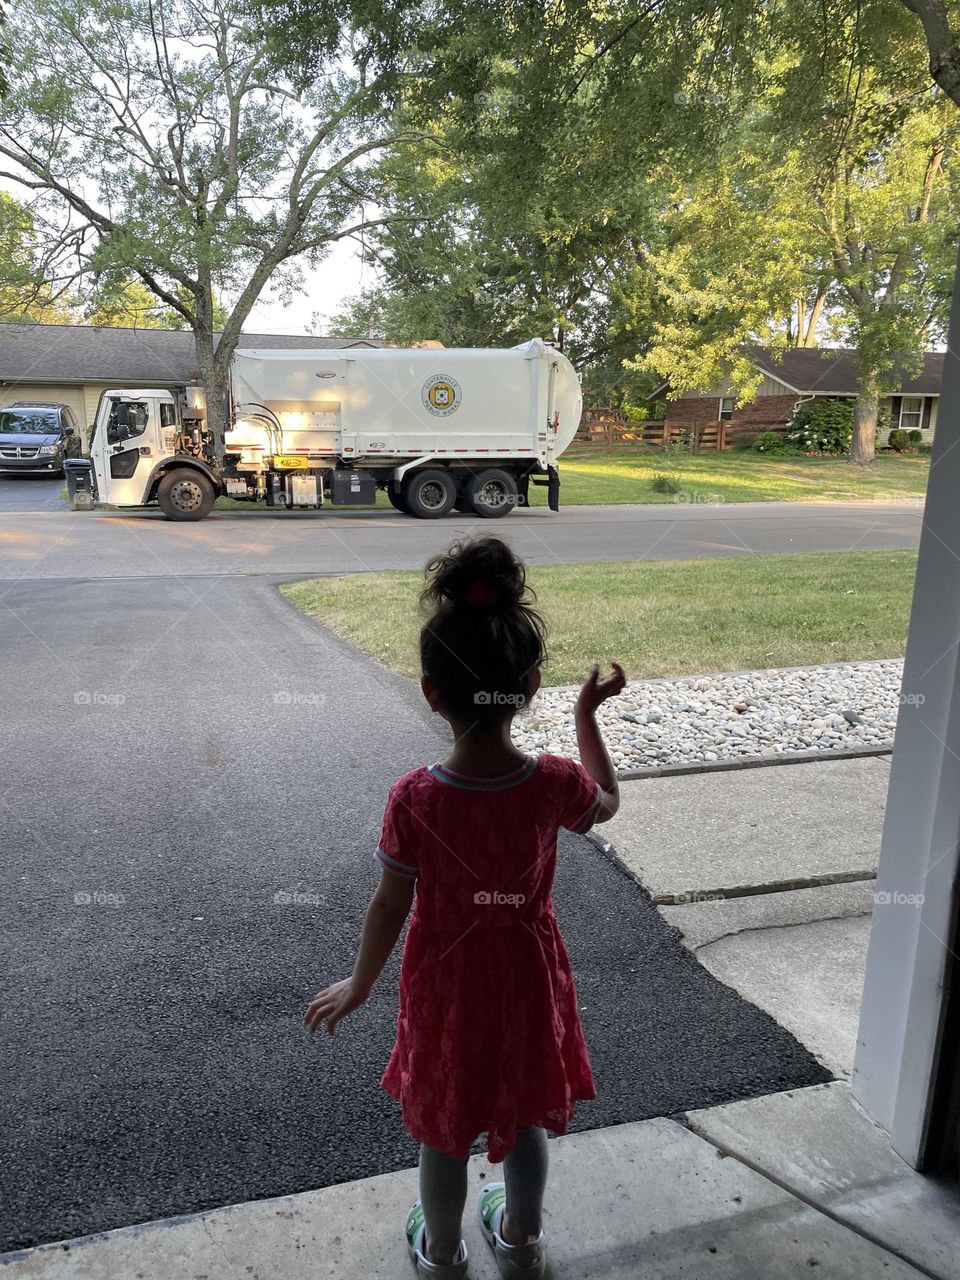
<point>436,429</point>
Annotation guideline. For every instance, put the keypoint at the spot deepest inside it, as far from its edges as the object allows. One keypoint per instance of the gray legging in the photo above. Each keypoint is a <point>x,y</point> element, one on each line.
<point>443,1192</point>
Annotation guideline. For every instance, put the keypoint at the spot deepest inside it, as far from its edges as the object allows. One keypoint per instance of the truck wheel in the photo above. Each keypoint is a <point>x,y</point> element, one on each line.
<point>429,494</point>
<point>396,498</point>
<point>492,493</point>
<point>185,494</point>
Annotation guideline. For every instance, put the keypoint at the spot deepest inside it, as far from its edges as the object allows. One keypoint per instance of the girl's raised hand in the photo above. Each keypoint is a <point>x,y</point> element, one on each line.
<point>596,690</point>
<point>333,1003</point>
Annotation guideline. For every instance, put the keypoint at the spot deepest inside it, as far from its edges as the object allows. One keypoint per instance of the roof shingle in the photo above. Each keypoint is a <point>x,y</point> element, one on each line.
<point>833,371</point>
<point>82,353</point>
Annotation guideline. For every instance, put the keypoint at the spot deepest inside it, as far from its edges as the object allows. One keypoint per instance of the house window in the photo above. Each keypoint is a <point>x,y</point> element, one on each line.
<point>726,408</point>
<point>911,413</point>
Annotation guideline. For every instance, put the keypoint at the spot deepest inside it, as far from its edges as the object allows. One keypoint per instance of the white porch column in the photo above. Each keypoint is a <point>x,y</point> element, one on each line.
<point>902,999</point>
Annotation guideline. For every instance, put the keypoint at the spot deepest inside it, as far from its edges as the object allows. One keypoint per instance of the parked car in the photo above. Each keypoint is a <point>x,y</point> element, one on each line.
<point>36,437</point>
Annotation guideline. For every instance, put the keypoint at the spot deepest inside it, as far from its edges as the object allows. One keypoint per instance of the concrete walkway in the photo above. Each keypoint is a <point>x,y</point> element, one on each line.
<point>786,1186</point>
<point>769,876</point>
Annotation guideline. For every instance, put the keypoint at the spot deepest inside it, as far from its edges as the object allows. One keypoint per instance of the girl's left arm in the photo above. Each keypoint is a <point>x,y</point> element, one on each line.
<point>389,908</point>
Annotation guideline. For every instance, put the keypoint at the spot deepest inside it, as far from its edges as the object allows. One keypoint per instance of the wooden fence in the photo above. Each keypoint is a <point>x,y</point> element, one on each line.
<point>601,429</point>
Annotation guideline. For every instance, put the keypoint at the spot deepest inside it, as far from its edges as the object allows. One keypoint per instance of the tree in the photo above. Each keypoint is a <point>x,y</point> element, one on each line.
<point>831,207</point>
<point>944,51</point>
<point>25,294</point>
<point>121,302</point>
<point>159,144</point>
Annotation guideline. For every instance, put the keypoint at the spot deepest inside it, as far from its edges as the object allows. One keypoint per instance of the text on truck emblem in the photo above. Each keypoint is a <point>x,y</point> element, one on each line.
<point>441,395</point>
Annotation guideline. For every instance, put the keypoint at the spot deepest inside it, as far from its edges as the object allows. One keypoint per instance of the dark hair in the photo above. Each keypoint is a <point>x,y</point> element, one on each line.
<point>483,638</point>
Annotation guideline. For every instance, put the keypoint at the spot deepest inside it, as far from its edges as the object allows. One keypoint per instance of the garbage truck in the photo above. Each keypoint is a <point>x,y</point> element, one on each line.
<point>437,429</point>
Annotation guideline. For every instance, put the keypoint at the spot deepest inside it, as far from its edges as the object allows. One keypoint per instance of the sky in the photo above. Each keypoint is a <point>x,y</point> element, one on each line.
<point>340,276</point>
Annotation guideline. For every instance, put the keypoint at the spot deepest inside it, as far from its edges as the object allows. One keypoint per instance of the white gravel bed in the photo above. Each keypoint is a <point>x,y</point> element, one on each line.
<point>707,719</point>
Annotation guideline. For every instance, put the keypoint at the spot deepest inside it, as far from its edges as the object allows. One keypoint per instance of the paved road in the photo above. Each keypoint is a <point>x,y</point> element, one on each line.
<point>32,493</point>
<point>175,755</point>
<point>88,545</point>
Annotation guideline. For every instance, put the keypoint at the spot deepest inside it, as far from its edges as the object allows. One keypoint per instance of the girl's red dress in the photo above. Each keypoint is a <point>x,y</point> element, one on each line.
<point>488,1034</point>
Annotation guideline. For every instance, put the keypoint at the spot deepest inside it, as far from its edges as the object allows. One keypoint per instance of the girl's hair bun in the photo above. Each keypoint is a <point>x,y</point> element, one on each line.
<point>482,641</point>
<point>478,573</point>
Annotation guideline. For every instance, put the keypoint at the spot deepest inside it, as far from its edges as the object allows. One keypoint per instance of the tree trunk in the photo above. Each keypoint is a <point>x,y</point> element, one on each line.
<point>214,362</point>
<point>865,410</point>
<point>214,378</point>
<point>813,319</point>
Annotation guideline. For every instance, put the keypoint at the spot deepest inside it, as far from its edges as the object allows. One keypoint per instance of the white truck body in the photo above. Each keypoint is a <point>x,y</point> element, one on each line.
<point>434,427</point>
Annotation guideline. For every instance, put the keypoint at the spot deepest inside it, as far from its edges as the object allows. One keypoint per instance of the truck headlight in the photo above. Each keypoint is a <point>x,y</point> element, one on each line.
<point>47,449</point>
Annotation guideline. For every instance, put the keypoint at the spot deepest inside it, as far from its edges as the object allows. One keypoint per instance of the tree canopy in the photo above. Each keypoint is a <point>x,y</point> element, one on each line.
<point>159,142</point>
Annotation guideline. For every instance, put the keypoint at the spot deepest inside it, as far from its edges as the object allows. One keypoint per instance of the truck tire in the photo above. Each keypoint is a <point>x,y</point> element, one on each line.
<point>492,493</point>
<point>396,498</point>
<point>185,494</point>
<point>429,494</point>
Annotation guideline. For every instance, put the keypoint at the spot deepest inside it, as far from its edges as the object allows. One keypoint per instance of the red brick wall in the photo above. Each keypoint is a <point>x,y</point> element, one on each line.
<point>692,409</point>
<point>764,411</point>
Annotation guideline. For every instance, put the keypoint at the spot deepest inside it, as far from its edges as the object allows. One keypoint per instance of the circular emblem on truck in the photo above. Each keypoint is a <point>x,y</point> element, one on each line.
<point>441,395</point>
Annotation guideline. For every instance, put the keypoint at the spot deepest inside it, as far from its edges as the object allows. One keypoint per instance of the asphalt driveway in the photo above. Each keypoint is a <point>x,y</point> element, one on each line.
<point>32,493</point>
<point>193,778</point>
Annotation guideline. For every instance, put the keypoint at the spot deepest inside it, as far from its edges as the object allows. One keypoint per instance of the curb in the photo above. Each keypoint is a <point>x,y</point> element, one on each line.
<point>754,762</point>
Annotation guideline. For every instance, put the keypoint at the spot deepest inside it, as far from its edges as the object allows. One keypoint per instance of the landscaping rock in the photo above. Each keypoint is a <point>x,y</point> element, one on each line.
<point>696,719</point>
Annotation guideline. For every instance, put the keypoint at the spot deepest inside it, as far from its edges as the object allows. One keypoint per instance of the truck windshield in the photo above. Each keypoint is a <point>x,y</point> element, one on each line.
<point>29,422</point>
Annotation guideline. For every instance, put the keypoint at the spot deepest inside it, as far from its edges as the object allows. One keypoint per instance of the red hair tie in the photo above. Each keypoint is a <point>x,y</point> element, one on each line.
<point>481,593</point>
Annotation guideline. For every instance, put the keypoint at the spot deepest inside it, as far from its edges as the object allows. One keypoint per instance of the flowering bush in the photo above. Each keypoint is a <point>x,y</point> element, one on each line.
<point>822,426</point>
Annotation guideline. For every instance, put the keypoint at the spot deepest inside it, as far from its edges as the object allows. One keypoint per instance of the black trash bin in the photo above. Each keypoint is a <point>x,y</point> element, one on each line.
<point>79,474</point>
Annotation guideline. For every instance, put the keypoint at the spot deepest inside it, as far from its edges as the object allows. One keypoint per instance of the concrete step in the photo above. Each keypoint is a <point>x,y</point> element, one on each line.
<point>650,1199</point>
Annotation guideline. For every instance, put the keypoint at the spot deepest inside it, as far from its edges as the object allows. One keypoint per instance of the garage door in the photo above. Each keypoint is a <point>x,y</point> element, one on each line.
<point>32,391</point>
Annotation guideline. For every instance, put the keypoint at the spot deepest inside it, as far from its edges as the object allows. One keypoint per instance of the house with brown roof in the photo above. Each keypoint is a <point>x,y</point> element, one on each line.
<point>73,364</point>
<point>799,374</point>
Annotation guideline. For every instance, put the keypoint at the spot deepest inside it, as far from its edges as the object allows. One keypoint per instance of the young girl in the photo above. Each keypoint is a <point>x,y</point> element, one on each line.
<point>488,1035</point>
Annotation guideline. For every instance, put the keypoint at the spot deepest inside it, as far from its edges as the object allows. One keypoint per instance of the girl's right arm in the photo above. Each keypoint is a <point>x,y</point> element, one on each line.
<point>593,752</point>
<point>389,908</point>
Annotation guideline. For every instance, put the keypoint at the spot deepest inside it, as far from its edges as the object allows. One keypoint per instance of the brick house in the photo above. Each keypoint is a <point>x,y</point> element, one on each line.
<point>801,374</point>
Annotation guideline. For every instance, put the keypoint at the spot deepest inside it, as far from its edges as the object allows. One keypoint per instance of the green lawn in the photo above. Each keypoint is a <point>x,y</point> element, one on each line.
<point>662,618</point>
<point>624,476</point>
<point>591,476</point>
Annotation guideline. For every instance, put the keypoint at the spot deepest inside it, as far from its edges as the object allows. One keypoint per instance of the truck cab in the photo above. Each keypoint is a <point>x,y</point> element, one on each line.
<point>139,441</point>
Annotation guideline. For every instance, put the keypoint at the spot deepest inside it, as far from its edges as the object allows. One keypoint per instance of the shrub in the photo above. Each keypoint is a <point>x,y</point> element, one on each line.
<point>898,439</point>
<point>662,483</point>
<point>916,437</point>
<point>634,412</point>
<point>773,442</point>
<point>822,426</point>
